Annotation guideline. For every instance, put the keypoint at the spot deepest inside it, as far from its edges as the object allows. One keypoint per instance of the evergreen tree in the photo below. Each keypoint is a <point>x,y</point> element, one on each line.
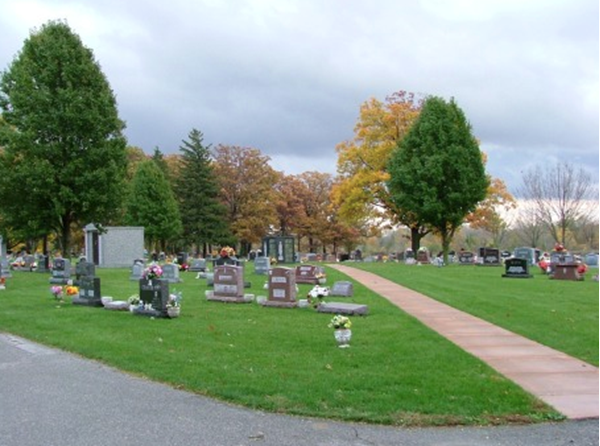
<point>202,214</point>
<point>152,205</point>
<point>437,171</point>
<point>64,155</point>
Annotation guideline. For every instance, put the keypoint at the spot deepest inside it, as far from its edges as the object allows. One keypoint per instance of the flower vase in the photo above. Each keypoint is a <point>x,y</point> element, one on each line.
<point>173,312</point>
<point>342,337</point>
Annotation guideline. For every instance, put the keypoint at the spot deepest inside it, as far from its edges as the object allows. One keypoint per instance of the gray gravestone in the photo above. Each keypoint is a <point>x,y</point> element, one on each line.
<point>198,266</point>
<point>342,288</point>
<point>282,288</point>
<point>84,269</point>
<point>61,271</point>
<point>262,265</point>
<point>5,269</point>
<point>343,308</point>
<point>137,270</point>
<point>171,273</point>
<point>517,268</point>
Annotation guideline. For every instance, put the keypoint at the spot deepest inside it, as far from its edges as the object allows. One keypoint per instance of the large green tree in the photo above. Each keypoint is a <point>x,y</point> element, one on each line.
<point>203,215</point>
<point>437,171</point>
<point>64,156</point>
<point>152,204</point>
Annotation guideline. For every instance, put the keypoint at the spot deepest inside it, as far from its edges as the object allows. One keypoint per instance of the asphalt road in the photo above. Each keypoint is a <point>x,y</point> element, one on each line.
<point>52,398</point>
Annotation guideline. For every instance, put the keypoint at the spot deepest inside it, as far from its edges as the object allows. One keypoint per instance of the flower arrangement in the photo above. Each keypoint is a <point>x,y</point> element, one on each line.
<point>71,290</point>
<point>134,300</point>
<point>174,300</point>
<point>227,251</point>
<point>340,322</point>
<point>154,271</point>
<point>57,292</point>
<point>316,294</point>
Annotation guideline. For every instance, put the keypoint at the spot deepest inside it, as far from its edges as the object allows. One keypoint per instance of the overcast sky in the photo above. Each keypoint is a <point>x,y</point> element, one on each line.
<point>288,77</point>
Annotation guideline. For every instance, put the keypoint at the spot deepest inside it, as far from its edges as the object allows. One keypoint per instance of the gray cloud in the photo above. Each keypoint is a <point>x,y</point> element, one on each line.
<point>288,77</point>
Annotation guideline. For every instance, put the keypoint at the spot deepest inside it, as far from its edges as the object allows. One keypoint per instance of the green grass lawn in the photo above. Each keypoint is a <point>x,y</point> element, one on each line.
<point>558,313</point>
<point>396,372</point>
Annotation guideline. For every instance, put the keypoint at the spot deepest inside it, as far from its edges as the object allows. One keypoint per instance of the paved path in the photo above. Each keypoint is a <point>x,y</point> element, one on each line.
<point>53,398</point>
<point>568,384</point>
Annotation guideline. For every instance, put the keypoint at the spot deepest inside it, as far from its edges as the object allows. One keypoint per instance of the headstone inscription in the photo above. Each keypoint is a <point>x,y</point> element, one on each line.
<point>154,294</point>
<point>228,285</point>
<point>61,271</point>
<point>282,288</point>
<point>171,273</point>
<point>137,270</point>
<point>342,288</point>
<point>262,265</point>
<point>466,258</point>
<point>490,257</point>
<point>516,268</point>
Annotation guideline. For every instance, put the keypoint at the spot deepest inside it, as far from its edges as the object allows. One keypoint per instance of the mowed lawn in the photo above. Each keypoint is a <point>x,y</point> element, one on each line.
<point>558,313</point>
<point>396,372</point>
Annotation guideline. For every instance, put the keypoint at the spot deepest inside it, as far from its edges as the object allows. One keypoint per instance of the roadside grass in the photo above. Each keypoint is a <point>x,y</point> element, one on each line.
<point>557,313</point>
<point>396,372</point>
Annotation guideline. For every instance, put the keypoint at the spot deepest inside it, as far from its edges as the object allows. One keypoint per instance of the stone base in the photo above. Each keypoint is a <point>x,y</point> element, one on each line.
<point>119,305</point>
<point>247,298</point>
<point>277,304</point>
<point>88,302</point>
<point>59,280</point>
<point>343,308</point>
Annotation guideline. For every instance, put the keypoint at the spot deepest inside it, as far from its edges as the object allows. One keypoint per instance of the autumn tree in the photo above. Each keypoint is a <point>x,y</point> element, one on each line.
<point>289,208</point>
<point>203,215</point>
<point>151,204</point>
<point>361,191</point>
<point>560,195</point>
<point>437,171</point>
<point>246,181</point>
<point>63,144</point>
<point>316,208</point>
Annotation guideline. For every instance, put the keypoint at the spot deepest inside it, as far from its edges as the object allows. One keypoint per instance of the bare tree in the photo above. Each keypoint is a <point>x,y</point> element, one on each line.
<point>560,196</point>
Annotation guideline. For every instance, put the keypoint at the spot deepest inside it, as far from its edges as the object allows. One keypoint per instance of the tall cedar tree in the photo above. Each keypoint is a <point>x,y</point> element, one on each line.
<point>63,144</point>
<point>202,214</point>
<point>437,171</point>
<point>151,204</point>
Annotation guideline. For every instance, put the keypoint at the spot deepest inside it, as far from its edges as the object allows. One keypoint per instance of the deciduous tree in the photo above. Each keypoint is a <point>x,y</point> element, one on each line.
<point>437,172</point>
<point>63,144</point>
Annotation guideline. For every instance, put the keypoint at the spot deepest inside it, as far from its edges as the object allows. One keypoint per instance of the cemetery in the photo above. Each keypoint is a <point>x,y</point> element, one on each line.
<point>280,325</point>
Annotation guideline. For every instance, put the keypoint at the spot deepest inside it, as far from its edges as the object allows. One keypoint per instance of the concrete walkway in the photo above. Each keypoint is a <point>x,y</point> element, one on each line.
<point>567,384</point>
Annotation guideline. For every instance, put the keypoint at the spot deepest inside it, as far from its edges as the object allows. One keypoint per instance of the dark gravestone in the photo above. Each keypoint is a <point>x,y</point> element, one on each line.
<point>516,268</point>
<point>262,265</point>
<point>307,274</point>
<point>137,270</point>
<point>490,256</point>
<point>220,261</point>
<point>84,269</point>
<point>466,258</point>
<point>154,295</point>
<point>198,266</point>
<point>61,271</point>
<point>171,273</point>
<point>228,284</point>
<point>89,292</point>
<point>182,258</point>
<point>282,288</point>
<point>342,288</point>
